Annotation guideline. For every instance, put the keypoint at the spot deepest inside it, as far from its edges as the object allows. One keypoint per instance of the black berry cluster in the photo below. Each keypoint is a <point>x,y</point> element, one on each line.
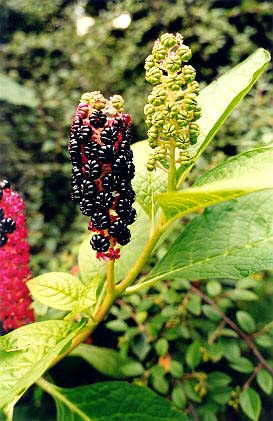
<point>102,170</point>
<point>7,225</point>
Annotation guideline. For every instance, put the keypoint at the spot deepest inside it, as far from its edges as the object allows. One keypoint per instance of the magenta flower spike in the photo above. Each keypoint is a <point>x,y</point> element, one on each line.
<point>15,298</point>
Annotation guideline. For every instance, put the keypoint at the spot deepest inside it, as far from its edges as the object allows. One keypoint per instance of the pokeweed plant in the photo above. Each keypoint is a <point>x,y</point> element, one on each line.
<point>231,239</point>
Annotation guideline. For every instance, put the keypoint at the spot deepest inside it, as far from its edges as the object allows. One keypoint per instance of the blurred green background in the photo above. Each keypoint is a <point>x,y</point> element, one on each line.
<point>59,49</point>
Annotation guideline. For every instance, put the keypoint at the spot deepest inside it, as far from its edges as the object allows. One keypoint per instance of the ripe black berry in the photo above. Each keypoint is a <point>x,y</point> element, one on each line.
<point>129,215</point>
<point>4,184</point>
<point>1,194</point>
<point>116,227</point>
<point>100,243</point>
<point>100,220</point>
<point>97,119</point>
<point>77,174</point>
<point>77,122</point>
<point>91,150</point>
<point>110,182</point>
<point>93,169</point>
<point>3,238</point>
<point>87,207</point>
<point>8,225</point>
<point>2,214</point>
<point>126,190</point>
<point>120,166</point>
<point>76,194</point>
<point>106,154</point>
<point>89,189</point>
<point>124,237</point>
<point>104,200</point>
<point>109,135</point>
<point>85,133</point>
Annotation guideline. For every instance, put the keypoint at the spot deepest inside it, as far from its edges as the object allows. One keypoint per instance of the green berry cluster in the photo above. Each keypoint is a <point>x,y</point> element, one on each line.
<point>172,108</point>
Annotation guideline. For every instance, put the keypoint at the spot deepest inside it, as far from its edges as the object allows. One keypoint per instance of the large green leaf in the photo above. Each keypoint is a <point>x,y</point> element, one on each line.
<point>111,401</point>
<point>230,240</point>
<point>62,291</point>
<point>91,267</point>
<point>146,184</point>
<point>220,97</point>
<point>27,352</point>
<point>108,361</point>
<point>14,93</point>
<point>240,175</point>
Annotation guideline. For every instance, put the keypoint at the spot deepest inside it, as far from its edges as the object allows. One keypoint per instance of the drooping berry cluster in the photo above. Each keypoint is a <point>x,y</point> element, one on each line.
<point>102,170</point>
<point>172,108</point>
<point>14,257</point>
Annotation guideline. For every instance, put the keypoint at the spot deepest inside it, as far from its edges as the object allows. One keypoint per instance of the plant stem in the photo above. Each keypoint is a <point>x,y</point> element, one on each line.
<point>133,273</point>
<point>236,328</point>
<point>110,273</point>
<point>184,176</point>
<point>172,168</point>
<point>252,377</point>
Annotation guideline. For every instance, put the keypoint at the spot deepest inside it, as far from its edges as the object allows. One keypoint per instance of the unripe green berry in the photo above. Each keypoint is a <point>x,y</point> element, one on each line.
<point>184,53</point>
<point>194,87</point>
<point>184,158</point>
<point>149,62</point>
<point>182,118</point>
<point>153,143</point>
<point>153,75</point>
<point>148,120</point>
<point>151,163</point>
<point>169,130</point>
<point>197,113</point>
<point>194,132</point>
<point>170,110</point>
<point>117,102</point>
<point>157,97</point>
<point>189,73</point>
<point>168,40</point>
<point>173,64</point>
<point>159,52</point>
<point>160,153</point>
<point>174,82</point>
<point>153,133</point>
<point>157,119</point>
<point>182,141</point>
<point>148,109</point>
<point>190,102</point>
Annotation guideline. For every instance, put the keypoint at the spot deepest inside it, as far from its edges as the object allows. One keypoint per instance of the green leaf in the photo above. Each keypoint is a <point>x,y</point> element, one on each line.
<point>245,321</point>
<point>179,397</point>
<point>242,294</point>
<point>161,347</point>
<point>211,313</point>
<point>265,381</point>
<point>220,97</point>
<point>14,93</point>
<point>145,183</point>
<point>193,355</point>
<point>108,361</point>
<point>214,288</point>
<point>27,352</point>
<point>246,173</point>
<point>265,341</point>
<point>176,369</point>
<point>242,365</point>
<point>218,379</point>
<point>190,391</point>
<point>90,266</point>
<point>117,325</point>
<point>230,240</point>
<point>62,291</point>
<point>250,403</point>
<point>112,401</point>
<point>194,305</point>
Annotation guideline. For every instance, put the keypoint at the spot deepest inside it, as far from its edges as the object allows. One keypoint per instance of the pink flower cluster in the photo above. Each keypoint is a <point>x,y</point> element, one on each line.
<point>14,259</point>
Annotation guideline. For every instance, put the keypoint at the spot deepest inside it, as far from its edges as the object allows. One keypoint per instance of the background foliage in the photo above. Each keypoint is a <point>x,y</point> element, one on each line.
<point>43,52</point>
